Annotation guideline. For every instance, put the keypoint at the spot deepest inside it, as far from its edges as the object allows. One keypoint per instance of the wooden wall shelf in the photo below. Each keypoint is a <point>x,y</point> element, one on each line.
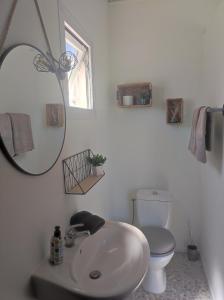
<point>141,92</point>
<point>85,185</point>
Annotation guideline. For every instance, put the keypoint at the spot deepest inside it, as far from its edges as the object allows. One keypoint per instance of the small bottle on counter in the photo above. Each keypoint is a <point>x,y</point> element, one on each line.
<point>56,247</point>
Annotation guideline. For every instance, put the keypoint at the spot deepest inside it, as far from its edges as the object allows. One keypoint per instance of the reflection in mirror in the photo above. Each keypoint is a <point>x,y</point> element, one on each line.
<point>32,115</point>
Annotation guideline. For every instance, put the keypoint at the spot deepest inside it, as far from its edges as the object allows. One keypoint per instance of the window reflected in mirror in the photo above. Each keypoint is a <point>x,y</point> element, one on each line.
<point>80,78</point>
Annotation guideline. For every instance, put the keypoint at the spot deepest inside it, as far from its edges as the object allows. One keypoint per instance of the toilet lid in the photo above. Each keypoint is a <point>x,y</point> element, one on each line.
<point>161,240</point>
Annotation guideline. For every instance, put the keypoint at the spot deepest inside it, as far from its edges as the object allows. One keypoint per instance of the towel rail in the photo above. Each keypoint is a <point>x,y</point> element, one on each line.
<point>216,109</point>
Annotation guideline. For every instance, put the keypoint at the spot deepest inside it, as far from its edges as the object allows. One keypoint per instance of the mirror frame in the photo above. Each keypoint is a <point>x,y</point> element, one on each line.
<point>2,145</point>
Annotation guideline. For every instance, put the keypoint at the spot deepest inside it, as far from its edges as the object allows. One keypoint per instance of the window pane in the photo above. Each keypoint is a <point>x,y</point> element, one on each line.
<point>71,48</point>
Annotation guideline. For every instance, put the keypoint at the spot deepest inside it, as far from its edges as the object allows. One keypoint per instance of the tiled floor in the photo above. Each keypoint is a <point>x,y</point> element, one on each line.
<point>185,281</point>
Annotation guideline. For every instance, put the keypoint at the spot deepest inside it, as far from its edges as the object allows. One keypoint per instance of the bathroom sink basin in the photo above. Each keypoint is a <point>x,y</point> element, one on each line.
<point>115,256</point>
<point>107,265</point>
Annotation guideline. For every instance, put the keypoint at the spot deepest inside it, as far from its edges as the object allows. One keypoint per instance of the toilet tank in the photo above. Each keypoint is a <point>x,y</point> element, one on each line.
<point>152,208</point>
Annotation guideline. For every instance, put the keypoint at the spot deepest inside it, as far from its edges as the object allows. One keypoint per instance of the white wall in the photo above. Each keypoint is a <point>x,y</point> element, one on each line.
<point>157,41</point>
<point>31,206</point>
<point>89,129</point>
<point>212,241</point>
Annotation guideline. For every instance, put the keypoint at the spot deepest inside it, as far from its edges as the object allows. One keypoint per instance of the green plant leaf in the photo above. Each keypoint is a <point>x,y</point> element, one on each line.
<point>96,160</point>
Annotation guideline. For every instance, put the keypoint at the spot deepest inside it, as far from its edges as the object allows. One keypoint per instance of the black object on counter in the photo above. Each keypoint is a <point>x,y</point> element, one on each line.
<point>90,222</point>
<point>79,217</point>
<point>93,223</point>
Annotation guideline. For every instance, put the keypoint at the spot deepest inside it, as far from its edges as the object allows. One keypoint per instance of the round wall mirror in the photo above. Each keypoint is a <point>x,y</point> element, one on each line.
<point>32,111</point>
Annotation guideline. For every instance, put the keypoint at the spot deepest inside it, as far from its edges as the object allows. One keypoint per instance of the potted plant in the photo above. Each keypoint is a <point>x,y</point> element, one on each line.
<point>97,162</point>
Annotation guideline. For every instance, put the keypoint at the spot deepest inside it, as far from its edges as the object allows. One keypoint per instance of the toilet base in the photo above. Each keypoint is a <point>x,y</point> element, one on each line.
<point>155,281</point>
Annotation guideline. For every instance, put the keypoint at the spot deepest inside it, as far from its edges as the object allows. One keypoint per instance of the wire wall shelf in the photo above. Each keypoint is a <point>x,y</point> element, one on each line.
<point>78,177</point>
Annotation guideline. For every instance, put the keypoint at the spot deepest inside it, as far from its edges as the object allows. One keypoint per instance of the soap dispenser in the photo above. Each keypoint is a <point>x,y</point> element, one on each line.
<point>56,251</point>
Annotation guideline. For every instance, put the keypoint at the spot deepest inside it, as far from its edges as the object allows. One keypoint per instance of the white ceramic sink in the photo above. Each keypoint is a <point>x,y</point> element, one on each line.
<point>117,255</point>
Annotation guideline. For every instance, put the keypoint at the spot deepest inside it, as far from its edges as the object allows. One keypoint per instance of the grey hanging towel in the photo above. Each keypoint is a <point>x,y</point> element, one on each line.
<point>208,135</point>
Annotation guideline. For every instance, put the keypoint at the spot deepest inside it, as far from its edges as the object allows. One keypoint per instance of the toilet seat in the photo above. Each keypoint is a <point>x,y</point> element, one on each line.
<point>161,240</point>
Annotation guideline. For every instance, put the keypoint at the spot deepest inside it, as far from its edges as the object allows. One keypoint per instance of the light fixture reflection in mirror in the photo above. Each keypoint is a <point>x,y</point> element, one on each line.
<point>29,96</point>
<point>66,63</point>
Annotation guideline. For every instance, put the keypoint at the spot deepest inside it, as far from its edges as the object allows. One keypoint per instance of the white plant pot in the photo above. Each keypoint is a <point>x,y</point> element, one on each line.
<point>97,171</point>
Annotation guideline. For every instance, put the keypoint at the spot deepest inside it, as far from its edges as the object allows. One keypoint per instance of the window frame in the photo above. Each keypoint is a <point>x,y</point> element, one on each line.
<point>65,17</point>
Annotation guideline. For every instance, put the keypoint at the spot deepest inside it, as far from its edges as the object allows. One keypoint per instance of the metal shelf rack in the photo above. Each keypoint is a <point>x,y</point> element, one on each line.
<point>78,177</point>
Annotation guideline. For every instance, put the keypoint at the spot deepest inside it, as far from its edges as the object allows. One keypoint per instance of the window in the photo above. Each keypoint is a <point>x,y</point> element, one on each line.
<point>80,78</point>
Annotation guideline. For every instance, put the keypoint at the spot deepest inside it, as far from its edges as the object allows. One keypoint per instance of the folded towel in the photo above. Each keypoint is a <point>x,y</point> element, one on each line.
<point>6,133</point>
<point>79,217</point>
<point>198,134</point>
<point>90,222</point>
<point>93,223</point>
<point>22,133</point>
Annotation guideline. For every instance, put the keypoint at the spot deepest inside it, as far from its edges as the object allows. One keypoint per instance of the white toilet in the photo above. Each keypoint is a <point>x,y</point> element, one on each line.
<point>152,214</point>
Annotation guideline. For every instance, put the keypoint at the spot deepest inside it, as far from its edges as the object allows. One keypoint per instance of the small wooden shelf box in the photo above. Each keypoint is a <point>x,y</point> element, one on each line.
<point>141,92</point>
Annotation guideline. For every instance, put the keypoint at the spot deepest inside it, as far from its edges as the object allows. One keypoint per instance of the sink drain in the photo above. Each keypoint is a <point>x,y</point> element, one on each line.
<point>95,274</point>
